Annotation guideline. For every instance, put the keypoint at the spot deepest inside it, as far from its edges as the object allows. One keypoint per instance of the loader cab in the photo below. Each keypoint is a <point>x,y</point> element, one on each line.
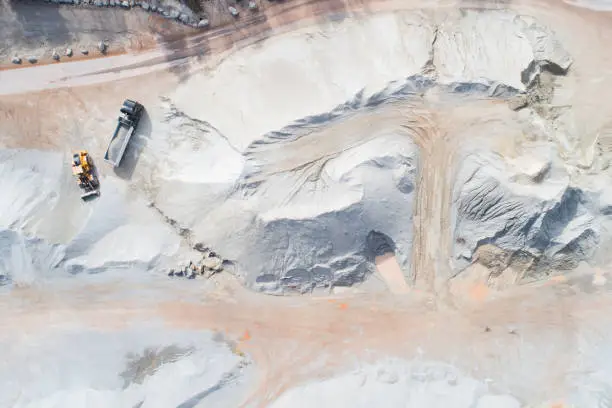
<point>76,160</point>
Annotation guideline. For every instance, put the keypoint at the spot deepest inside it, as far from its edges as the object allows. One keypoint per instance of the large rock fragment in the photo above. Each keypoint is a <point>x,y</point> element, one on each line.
<point>499,45</point>
<point>546,48</point>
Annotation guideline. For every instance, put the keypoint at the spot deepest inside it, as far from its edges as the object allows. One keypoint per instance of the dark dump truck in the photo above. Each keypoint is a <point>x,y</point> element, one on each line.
<point>127,123</point>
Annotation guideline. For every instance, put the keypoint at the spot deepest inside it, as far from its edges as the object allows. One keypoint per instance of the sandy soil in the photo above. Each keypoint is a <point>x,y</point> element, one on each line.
<point>293,340</point>
<point>391,272</point>
<point>536,342</point>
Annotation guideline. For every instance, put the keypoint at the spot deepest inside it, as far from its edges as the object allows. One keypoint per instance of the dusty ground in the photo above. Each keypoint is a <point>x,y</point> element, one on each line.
<point>536,342</point>
<point>293,340</point>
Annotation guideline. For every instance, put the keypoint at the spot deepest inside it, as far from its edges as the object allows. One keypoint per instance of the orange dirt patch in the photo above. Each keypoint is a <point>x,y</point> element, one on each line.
<point>391,272</point>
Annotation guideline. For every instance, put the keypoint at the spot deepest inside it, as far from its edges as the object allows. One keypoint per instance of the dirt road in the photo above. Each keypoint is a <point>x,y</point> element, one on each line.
<point>293,340</point>
<point>184,51</point>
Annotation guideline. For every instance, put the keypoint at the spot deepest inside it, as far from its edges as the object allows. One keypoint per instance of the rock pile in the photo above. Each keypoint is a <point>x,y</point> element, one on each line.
<point>210,264</point>
<point>181,14</point>
<point>525,216</point>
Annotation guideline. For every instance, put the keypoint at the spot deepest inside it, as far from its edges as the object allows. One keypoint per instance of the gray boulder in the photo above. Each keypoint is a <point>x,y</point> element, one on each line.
<point>184,18</point>
<point>32,59</point>
<point>203,23</point>
<point>16,60</point>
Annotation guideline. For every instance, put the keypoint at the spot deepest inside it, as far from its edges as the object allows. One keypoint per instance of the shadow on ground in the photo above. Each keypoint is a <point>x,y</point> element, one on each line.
<point>379,244</point>
<point>30,24</point>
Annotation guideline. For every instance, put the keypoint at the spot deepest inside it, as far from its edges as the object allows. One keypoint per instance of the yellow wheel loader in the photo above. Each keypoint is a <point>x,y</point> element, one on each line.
<point>83,170</point>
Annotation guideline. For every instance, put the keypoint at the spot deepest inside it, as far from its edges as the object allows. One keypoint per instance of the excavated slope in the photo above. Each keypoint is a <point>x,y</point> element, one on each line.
<point>432,135</point>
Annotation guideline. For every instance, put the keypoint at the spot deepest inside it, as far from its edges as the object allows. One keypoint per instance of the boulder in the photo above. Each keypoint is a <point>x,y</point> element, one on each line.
<point>69,52</point>
<point>32,59</point>
<point>547,49</point>
<point>55,56</point>
<point>184,18</point>
<point>214,264</point>
<point>102,47</point>
<point>16,60</point>
<point>204,23</point>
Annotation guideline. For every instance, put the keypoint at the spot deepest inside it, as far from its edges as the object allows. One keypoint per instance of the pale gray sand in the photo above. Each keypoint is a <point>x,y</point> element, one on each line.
<point>285,157</point>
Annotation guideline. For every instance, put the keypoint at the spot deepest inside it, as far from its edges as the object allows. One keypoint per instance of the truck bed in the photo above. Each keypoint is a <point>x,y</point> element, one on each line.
<point>118,143</point>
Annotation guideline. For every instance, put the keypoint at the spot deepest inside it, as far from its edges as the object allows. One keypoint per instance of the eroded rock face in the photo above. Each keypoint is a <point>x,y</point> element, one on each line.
<point>524,209</point>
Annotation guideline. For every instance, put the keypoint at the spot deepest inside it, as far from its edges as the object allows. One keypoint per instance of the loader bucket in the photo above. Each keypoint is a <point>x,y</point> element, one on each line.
<point>90,195</point>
